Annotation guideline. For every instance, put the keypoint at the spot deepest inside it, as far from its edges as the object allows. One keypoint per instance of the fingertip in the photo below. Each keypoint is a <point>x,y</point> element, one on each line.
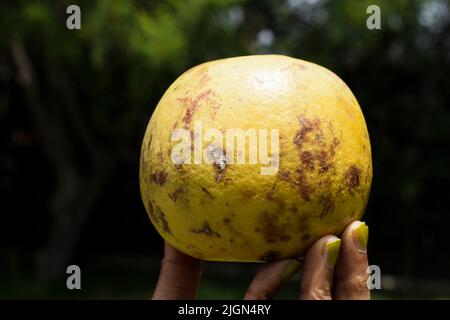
<point>357,233</point>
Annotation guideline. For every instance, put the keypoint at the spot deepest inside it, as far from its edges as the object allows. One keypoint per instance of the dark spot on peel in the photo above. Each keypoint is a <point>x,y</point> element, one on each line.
<point>324,164</point>
<point>226,220</point>
<point>159,177</point>
<point>206,229</point>
<point>206,191</point>
<point>327,206</point>
<point>271,194</point>
<point>306,237</point>
<point>304,188</point>
<point>176,193</point>
<point>285,238</point>
<point>248,194</point>
<point>352,177</point>
<point>192,105</point>
<point>270,256</point>
<point>151,213</point>
<point>149,142</point>
<point>307,159</point>
<point>162,218</point>
<point>306,127</point>
<point>270,227</point>
<point>284,174</point>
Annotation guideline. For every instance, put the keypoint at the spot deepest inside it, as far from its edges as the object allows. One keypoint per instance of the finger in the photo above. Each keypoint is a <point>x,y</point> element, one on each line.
<point>352,265</point>
<point>179,275</point>
<point>317,274</point>
<point>270,278</point>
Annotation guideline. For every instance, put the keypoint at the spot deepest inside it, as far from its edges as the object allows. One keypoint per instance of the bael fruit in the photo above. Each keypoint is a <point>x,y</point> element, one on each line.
<point>223,211</point>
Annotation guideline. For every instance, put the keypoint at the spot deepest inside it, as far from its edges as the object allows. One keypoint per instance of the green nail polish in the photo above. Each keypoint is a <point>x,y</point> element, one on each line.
<point>290,269</point>
<point>332,251</point>
<point>361,237</point>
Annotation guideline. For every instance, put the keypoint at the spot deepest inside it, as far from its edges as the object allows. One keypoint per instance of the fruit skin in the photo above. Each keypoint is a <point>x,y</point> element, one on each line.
<point>237,214</point>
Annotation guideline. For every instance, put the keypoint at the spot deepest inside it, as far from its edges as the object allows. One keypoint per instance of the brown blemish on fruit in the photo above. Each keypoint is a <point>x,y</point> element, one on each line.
<point>204,79</point>
<point>284,175</point>
<point>162,218</point>
<point>270,227</point>
<point>206,229</point>
<point>176,193</point>
<point>159,177</point>
<point>285,238</point>
<point>304,188</point>
<point>207,192</point>
<point>352,177</point>
<point>236,233</point>
<point>271,194</point>
<point>322,157</point>
<point>192,105</point>
<point>270,255</point>
<point>248,194</point>
<point>327,204</point>
<point>306,237</point>
<point>301,66</point>
<point>307,159</point>
<point>149,142</point>
<point>334,145</point>
<point>306,127</point>
<point>160,156</point>
<point>151,213</point>
<point>231,240</point>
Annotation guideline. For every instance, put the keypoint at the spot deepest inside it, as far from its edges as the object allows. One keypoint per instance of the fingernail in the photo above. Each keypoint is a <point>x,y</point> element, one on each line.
<point>332,251</point>
<point>361,237</point>
<point>291,268</point>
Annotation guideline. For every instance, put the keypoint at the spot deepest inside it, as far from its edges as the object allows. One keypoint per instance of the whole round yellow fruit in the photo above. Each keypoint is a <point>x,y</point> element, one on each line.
<point>254,158</point>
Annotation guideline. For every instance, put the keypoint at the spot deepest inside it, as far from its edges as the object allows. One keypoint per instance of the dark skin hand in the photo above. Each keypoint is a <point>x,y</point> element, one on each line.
<point>333,269</point>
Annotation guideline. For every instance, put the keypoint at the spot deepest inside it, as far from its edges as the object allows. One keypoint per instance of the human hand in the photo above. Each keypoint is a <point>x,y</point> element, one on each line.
<point>333,269</point>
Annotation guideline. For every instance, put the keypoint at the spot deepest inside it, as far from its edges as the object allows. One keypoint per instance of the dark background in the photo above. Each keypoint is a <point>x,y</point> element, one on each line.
<point>74,105</point>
